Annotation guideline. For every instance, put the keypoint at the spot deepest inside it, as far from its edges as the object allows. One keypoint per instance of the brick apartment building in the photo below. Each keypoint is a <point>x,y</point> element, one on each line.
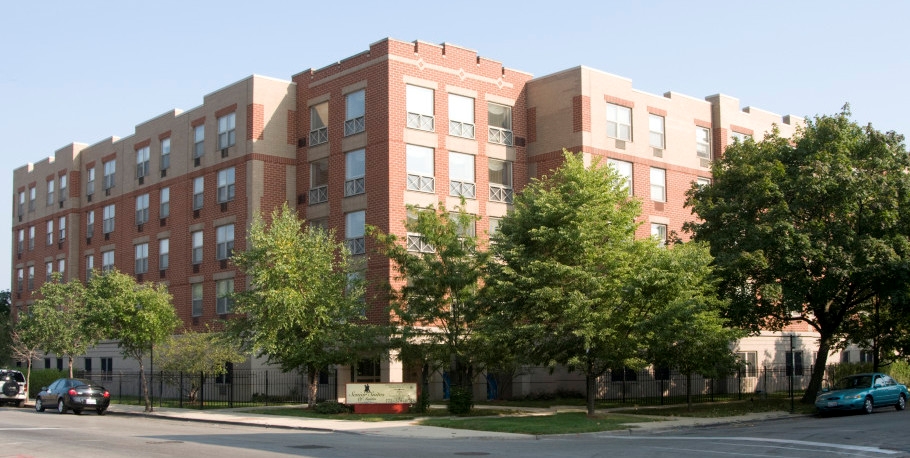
<point>351,144</point>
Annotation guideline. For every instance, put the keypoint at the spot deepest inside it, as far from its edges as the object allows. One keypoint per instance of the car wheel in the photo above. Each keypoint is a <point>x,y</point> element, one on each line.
<point>868,407</point>
<point>61,407</point>
<point>101,412</point>
<point>39,406</point>
<point>901,403</point>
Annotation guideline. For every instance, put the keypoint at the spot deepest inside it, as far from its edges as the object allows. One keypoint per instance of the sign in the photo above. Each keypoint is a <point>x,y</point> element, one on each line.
<point>381,393</point>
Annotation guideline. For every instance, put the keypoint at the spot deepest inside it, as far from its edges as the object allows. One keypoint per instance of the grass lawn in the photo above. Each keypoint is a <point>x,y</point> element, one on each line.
<point>560,423</point>
<point>304,412</point>
<point>723,409</point>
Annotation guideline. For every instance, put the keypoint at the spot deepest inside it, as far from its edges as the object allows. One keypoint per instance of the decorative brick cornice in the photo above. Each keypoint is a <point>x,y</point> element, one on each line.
<point>701,123</point>
<point>226,110</point>
<point>142,144</point>
<point>619,101</point>
<point>657,111</point>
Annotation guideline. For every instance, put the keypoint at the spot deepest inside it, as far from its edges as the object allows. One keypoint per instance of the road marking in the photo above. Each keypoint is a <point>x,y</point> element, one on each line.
<point>26,429</point>
<point>857,448</point>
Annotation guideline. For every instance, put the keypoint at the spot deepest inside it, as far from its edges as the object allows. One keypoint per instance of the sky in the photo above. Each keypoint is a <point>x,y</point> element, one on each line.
<point>83,71</point>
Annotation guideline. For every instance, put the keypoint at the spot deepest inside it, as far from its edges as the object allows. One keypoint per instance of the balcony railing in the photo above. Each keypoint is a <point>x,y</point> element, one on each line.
<point>421,121</point>
<point>353,126</point>
<point>500,136</point>
<point>421,183</point>
<point>356,245</point>
<point>501,194</point>
<point>354,186</point>
<point>418,243</point>
<point>319,195</point>
<point>461,129</point>
<point>319,136</point>
<point>462,189</point>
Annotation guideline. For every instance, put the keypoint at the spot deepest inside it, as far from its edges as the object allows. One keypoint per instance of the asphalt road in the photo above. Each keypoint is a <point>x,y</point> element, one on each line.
<point>26,433</point>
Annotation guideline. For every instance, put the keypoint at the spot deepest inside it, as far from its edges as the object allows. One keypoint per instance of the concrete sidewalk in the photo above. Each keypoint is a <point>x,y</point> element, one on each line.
<point>410,428</point>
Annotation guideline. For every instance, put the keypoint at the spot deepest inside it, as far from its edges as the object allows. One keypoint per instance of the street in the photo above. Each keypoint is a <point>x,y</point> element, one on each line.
<point>23,432</point>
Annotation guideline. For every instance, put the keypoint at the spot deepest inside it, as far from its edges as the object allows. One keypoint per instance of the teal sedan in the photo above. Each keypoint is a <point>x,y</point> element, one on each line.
<point>863,392</point>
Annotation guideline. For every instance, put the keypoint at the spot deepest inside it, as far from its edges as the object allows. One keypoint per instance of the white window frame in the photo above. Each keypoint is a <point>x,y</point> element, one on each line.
<point>224,288</point>
<point>110,174</point>
<point>461,116</point>
<point>164,250</point>
<point>89,266</point>
<point>619,122</point>
<point>656,130</point>
<point>165,153</point>
<point>659,233</point>
<point>462,175</point>
<point>142,258</point>
<point>196,291</point>
<point>319,123</point>
<point>61,228</point>
<point>224,241</point>
<point>227,130</point>
<point>420,164</point>
<point>164,202</point>
<point>199,141</point>
<point>703,142</point>
<point>500,188</point>
<point>197,240</point>
<point>32,196</point>
<point>354,172</point>
<point>499,133</point>
<point>354,112</point>
<point>108,220</point>
<point>142,209</point>
<point>31,238</point>
<point>50,192</point>
<point>50,232</point>
<point>62,188</point>
<point>90,184</point>
<point>658,184</point>
<point>319,181</point>
<point>354,231</point>
<point>61,266</point>
<point>415,241</point>
<point>226,178</point>
<point>420,110</point>
<point>90,224</point>
<point>198,192</point>
<point>142,161</point>
<point>625,170</point>
<point>107,260</point>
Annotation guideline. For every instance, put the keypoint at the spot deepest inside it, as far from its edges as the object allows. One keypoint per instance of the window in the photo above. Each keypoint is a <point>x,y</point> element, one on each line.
<point>702,181</point>
<point>749,360</point>
<point>319,121</point>
<point>50,192</point>
<point>319,181</point>
<point>319,223</point>
<point>354,171</point>
<point>659,232</point>
<point>354,225</point>
<point>165,153</point>
<point>624,169</point>
<point>50,232</point>
<point>63,186</point>
<point>461,116</point>
<point>416,241</point>
<point>164,249</point>
<point>461,175</point>
<point>107,365</point>
<point>61,265</point>
<point>494,227</point>
<point>224,241</point>
<point>88,365</point>
<point>32,195</point>
<point>369,370</point>
<point>142,209</point>
<point>865,356</point>
<point>223,300</point>
<point>703,142</point>
<point>658,184</point>
<point>90,184</point>
<point>198,141</point>
<point>31,238</point>
<point>20,246</point>
<point>656,128</point>
<point>420,107</point>
<point>623,374</point>
<point>107,261</point>
<point>226,185</point>
<point>198,188</point>
<point>420,168</point>
<point>20,279</point>
<point>845,356</point>
<point>110,171</point>
<point>794,360</point>
<point>227,130</point>
<point>197,247</point>
<point>89,267</point>
<point>142,258</point>
<point>619,122</point>
<point>61,227</point>
<point>467,228</point>
<point>90,224</point>
<point>354,105</point>
<point>500,180</point>
<point>197,299</point>
<point>108,218</point>
<point>48,270</point>
<point>21,210</point>
<point>164,207</point>
<point>739,137</point>
<point>31,278</point>
<point>499,118</point>
<point>142,162</point>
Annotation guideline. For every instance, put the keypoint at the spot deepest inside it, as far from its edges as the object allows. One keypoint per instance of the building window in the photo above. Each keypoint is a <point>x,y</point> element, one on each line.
<point>354,171</point>
<point>224,241</point>
<point>90,184</point>
<point>107,365</point>
<point>494,227</point>
<point>21,210</point>
<point>110,171</point>
<point>50,192</point>
<point>20,246</point>
<point>198,188</point>
<point>500,180</point>
<point>865,356</point>
<point>499,118</point>
<point>658,184</point>
<point>749,360</point>
<point>739,137</point>
<point>142,162</point>
<point>107,221</point>
<point>90,224</point>
<point>197,247</point>
<point>48,270</point>
<point>659,232</point>
<point>355,108</point>
<point>354,229</point>
<point>464,228</point>
<point>198,141</point>
<point>32,195</point>
<point>420,168</point>
<point>63,186</point>
<point>197,299</point>
<point>107,261</point>
<point>164,248</point>
<point>624,169</point>
<point>702,181</point>
<point>417,242</point>
<point>369,370</point>
<point>31,278</point>
<point>226,185</point>
<point>50,232</point>
<point>31,238</point>
<point>656,128</point>
<point>142,258</point>
<point>461,116</point>
<point>420,107</point>
<point>461,175</point>
<point>319,122</point>
<point>61,228</point>
<point>20,279</point>
<point>89,267</point>
<point>142,209</point>
<point>319,223</point>
<point>794,361</point>
<point>619,122</point>
<point>703,142</point>
<point>223,300</point>
<point>227,130</point>
<point>61,266</point>
<point>164,207</point>
<point>319,181</point>
<point>165,153</point>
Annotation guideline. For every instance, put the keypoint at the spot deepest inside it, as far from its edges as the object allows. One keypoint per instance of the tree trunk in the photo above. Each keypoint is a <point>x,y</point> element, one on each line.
<point>145,387</point>
<point>590,388</point>
<point>689,391</point>
<point>818,371</point>
<point>70,359</point>
<point>312,387</point>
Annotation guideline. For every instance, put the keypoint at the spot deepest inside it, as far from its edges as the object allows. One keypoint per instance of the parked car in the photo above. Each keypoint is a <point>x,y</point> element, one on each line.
<point>863,392</point>
<point>13,389</point>
<point>73,394</point>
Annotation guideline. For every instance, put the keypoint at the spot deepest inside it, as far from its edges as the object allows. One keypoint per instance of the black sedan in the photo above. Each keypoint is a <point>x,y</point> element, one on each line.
<point>73,394</point>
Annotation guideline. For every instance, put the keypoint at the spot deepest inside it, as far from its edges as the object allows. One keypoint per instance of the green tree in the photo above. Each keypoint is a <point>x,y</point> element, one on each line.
<point>563,259</point>
<point>197,353</point>
<point>137,316</point>
<point>59,320</point>
<point>805,229</point>
<point>6,328</point>
<point>26,345</point>
<point>437,307</point>
<point>304,307</point>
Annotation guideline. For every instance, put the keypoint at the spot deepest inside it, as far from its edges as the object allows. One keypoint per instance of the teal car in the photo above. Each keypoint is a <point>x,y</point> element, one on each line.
<point>863,392</point>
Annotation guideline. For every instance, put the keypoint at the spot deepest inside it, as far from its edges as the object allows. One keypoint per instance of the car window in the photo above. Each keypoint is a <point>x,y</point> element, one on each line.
<point>887,381</point>
<point>53,386</point>
<point>19,377</point>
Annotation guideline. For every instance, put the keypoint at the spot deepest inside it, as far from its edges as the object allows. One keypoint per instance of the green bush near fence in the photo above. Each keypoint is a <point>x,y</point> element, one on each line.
<point>41,378</point>
<point>898,370</point>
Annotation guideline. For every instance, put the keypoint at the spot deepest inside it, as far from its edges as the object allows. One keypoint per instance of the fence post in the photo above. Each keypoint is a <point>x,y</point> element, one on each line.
<point>266,387</point>
<point>160,387</point>
<point>201,390</point>
<point>180,391</point>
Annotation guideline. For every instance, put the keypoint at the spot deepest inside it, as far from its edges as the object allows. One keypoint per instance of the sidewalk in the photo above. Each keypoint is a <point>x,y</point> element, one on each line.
<point>409,428</point>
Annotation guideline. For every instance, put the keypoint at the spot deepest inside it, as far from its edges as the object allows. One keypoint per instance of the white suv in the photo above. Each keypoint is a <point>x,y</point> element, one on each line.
<point>12,387</point>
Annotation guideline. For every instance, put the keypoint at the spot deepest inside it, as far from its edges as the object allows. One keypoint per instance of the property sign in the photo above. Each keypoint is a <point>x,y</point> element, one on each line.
<point>381,393</point>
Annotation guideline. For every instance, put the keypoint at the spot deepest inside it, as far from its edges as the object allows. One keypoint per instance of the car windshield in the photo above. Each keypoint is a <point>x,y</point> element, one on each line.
<point>856,381</point>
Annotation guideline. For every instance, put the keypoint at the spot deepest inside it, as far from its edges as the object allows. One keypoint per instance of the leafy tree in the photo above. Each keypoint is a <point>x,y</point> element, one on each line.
<point>438,306</point>
<point>564,257</point>
<point>25,345</point>
<point>303,309</point>
<point>137,316</point>
<point>58,320</point>
<point>6,328</point>
<point>806,229</point>
<point>195,353</point>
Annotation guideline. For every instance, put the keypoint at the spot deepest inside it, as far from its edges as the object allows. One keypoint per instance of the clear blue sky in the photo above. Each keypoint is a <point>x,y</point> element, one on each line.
<point>86,70</point>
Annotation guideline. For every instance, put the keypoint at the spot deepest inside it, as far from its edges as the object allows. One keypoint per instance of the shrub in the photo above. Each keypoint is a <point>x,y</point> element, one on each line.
<point>461,400</point>
<point>41,378</point>
<point>423,403</point>
<point>332,408</point>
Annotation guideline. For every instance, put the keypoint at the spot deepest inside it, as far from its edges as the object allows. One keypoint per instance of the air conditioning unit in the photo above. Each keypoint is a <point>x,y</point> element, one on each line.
<point>224,153</point>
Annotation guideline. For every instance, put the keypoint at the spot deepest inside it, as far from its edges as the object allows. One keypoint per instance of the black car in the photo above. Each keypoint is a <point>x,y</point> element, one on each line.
<point>73,394</point>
